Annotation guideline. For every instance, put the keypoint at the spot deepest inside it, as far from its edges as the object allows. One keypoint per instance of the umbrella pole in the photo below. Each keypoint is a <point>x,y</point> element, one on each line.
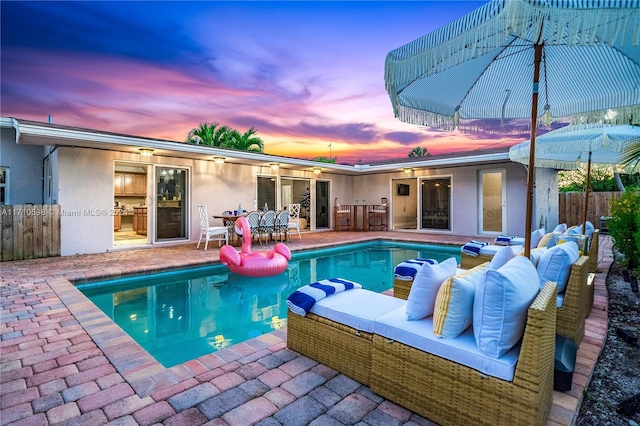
<point>586,196</point>
<point>537,58</point>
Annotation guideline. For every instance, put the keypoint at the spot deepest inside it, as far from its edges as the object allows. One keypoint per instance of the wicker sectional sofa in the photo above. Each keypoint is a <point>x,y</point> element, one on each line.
<point>467,261</point>
<point>435,387</point>
<point>571,315</point>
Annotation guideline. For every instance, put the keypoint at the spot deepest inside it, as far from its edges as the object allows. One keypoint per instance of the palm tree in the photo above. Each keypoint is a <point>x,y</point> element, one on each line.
<point>418,152</point>
<point>247,141</point>
<point>208,134</point>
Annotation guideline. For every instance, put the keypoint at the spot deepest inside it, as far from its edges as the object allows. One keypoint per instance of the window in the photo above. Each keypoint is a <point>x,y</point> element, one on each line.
<point>266,192</point>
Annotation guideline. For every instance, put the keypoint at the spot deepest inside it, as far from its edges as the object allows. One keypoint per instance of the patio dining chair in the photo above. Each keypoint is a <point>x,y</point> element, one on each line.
<point>294,218</point>
<point>282,225</point>
<point>342,216</point>
<point>216,233</point>
<point>267,225</point>
<point>378,216</point>
<point>254,223</point>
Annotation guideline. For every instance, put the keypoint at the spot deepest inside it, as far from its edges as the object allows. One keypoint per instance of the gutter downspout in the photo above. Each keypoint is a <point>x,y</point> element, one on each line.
<point>16,127</point>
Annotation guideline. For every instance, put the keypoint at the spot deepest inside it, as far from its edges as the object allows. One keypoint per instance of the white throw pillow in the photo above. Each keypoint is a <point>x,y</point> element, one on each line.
<point>555,264</point>
<point>536,236</point>
<point>536,254</point>
<point>560,229</point>
<point>453,310</point>
<point>503,255</point>
<point>578,229</point>
<point>424,289</point>
<point>502,299</point>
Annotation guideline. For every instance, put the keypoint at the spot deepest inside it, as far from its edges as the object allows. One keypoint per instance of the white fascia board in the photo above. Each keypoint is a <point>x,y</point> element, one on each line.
<point>136,142</point>
<point>128,141</point>
<point>444,162</point>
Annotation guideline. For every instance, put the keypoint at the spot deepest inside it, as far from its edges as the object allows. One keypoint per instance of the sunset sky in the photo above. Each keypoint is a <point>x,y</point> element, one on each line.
<point>304,74</point>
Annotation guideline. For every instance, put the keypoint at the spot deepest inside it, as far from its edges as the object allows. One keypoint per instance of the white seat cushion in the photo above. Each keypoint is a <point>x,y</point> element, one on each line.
<point>517,241</point>
<point>356,308</point>
<point>492,249</point>
<point>462,350</point>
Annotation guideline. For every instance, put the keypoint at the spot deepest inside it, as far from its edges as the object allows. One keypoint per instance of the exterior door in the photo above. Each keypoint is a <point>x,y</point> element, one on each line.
<point>492,201</point>
<point>435,195</point>
<point>322,204</point>
<point>172,203</point>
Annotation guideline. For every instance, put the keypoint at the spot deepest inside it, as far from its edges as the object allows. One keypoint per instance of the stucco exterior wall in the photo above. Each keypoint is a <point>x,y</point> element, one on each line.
<point>84,188</point>
<point>25,168</point>
<point>85,195</point>
<point>464,208</point>
<point>545,197</point>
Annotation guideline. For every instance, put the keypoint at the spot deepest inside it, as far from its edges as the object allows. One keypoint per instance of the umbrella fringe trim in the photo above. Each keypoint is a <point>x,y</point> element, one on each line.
<point>419,117</point>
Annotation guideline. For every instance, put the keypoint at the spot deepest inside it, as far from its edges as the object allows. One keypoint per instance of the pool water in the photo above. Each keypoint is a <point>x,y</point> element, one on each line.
<point>181,315</point>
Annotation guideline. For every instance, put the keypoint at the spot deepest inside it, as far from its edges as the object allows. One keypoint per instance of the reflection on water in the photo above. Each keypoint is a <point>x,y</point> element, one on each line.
<point>180,316</point>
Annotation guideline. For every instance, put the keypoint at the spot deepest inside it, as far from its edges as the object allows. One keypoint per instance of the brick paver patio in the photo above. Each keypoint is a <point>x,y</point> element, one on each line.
<point>65,362</point>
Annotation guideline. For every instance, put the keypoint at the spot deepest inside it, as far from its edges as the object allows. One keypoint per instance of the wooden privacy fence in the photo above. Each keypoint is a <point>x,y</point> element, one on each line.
<point>571,205</point>
<point>30,231</point>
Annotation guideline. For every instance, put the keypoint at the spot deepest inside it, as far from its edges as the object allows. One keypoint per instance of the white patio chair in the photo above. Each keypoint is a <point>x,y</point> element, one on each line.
<point>294,218</point>
<point>215,233</point>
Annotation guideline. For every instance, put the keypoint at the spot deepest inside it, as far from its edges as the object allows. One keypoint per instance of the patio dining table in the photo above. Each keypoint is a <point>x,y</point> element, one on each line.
<point>229,220</point>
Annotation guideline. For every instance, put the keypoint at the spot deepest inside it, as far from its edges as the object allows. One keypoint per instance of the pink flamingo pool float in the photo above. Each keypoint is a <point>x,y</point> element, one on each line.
<point>254,263</point>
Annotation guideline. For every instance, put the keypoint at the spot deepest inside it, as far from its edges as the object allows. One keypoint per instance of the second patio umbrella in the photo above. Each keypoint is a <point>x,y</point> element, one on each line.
<point>565,148</point>
<point>511,59</point>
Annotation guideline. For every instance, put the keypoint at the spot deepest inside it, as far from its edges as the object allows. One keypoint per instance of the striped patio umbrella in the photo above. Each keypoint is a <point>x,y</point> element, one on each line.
<point>522,59</point>
<point>569,147</point>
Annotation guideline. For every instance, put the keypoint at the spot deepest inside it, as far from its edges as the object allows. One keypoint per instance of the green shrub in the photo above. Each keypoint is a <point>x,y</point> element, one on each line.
<point>624,227</point>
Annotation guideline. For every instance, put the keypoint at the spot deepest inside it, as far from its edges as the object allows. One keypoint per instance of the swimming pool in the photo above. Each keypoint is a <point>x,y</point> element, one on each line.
<point>180,315</point>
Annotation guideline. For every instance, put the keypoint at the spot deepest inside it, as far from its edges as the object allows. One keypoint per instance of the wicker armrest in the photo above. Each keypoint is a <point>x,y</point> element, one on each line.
<point>594,246</point>
<point>468,261</point>
<point>534,370</point>
<point>571,315</point>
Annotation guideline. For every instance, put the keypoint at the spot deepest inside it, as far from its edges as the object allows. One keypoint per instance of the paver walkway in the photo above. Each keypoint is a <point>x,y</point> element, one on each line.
<point>64,362</point>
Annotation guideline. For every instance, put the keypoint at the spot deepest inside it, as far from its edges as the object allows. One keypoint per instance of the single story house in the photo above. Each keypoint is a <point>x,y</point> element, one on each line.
<point>109,185</point>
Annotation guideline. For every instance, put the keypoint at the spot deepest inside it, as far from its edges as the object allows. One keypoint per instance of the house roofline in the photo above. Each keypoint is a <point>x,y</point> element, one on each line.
<point>33,133</point>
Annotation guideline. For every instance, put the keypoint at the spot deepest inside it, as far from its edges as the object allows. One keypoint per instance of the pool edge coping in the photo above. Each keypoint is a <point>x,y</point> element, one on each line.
<point>137,366</point>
